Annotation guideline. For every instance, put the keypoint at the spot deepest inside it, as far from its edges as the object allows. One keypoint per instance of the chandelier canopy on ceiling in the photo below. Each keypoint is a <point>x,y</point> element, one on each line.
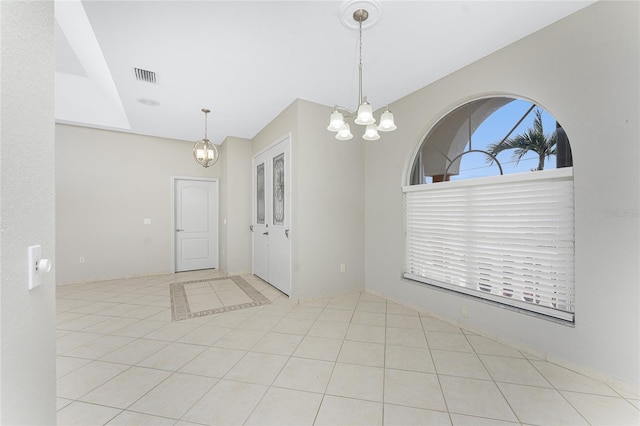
<point>205,152</point>
<point>364,116</point>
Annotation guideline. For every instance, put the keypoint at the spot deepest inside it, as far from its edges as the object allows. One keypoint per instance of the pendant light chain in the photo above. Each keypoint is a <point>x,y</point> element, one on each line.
<point>205,123</point>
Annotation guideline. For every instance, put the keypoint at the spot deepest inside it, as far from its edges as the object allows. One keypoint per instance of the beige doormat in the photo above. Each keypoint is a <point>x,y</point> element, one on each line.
<point>193,299</point>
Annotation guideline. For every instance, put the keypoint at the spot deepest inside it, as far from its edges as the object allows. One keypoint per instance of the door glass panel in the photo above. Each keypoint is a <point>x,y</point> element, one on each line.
<point>278,190</point>
<point>260,194</point>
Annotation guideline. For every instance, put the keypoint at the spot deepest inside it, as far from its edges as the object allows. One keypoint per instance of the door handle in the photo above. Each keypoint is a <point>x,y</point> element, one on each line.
<point>286,232</point>
<point>179,230</point>
<point>251,227</point>
<point>265,233</point>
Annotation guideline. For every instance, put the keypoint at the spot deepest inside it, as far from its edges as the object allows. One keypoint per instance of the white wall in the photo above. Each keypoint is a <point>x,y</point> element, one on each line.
<point>331,206</point>
<point>327,183</point>
<point>107,183</point>
<point>584,70</point>
<point>235,205</point>
<point>27,318</point>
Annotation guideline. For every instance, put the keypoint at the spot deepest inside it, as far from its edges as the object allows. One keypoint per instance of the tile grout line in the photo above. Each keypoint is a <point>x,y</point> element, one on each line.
<point>475,351</point>
<point>557,390</point>
<point>384,359</point>
<point>435,369</point>
<point>282,368</point>
<point>333,368</point>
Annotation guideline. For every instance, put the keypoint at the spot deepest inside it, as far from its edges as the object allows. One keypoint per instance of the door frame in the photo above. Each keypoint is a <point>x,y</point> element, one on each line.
<point>216,225</point>
<point>283,138</point>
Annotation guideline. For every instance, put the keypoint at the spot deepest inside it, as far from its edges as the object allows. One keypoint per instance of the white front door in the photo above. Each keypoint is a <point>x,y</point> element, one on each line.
<point>272,216</point>
<point>260,224</point>
<point>196,224</point>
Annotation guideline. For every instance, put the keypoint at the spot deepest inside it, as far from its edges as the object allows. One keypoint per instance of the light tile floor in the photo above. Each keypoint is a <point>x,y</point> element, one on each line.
<point>350,359</point>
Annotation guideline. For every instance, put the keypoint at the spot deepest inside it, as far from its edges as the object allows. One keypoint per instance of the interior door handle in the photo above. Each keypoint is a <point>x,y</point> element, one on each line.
<point>179,230</point>
<point>265,233</point>
<point>251,227</point>
<point>286,232</point>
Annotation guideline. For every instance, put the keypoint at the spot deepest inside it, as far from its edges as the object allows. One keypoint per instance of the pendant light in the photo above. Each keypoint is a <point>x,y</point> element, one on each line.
<point>364,115</point>
<point>205,152</point>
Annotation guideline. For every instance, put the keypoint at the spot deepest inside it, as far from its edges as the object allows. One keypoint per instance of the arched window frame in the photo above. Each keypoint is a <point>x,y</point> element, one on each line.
<point>507,239</point>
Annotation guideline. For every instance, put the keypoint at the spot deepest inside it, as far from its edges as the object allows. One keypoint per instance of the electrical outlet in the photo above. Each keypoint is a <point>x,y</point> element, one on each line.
<point>343,267</point>
<point>82,259</point>
<point>465,312</point>
<point>37,266</point>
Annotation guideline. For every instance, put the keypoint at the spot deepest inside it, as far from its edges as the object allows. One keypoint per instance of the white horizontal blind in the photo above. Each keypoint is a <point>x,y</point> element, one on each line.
<point>506,238</point>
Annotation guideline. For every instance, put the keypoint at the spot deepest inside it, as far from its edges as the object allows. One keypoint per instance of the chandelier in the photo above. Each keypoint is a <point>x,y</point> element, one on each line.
<point>364,115</point>
<point>204,151</point>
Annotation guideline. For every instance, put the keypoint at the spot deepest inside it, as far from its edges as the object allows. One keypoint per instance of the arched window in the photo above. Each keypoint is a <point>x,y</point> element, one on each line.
<point>490,136</point>
<point>489,211</point>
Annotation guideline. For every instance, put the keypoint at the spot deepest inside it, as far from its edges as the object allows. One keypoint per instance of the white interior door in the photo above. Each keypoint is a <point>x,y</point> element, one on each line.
<point>272,216</point>
<point>196,224</point>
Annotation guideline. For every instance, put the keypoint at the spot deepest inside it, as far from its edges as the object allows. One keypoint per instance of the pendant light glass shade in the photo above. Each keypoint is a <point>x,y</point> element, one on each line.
<point>205,152</point>
<point>371,133</point>
<point>386,122</point>
<point>344,134</point>
<point>336,121</point>
<point>365,115</point>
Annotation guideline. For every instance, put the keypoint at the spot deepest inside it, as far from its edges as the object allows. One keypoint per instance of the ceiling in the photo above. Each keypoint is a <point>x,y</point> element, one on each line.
<point>246,61</point>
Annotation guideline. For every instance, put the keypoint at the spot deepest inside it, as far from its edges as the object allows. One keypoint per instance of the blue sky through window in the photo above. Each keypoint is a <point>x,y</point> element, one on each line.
<point>496,127</point>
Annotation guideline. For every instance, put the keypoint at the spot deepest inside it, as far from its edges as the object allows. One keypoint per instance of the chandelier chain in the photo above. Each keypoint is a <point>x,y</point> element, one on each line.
<point>360,42</point>
<point>360,99</point>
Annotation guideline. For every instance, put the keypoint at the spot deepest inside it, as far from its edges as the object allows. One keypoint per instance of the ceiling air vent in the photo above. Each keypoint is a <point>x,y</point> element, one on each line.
<point>145,75</point>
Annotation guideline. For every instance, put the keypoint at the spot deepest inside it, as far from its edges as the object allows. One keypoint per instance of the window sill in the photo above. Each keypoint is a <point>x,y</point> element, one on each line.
<point>414,280</point>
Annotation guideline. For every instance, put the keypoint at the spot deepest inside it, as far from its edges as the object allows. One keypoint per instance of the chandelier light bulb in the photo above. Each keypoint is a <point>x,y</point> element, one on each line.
<point>336,121</point>
<point>206,154</point>
<point>344,134</point>
<point>371,133</point>
<point>386,122</point>
<point>365,114</point>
